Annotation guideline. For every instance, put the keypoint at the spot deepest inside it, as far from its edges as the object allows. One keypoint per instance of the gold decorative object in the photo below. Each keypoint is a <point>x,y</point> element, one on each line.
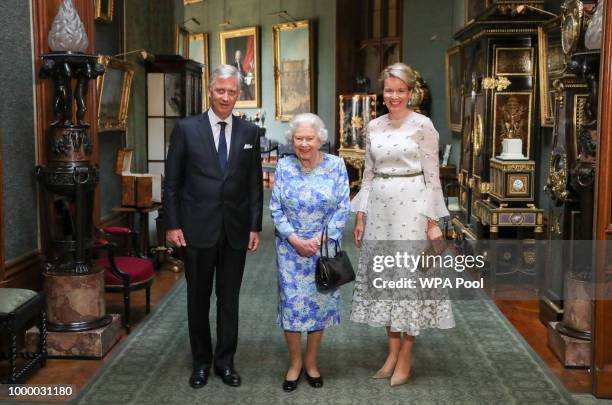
<point>471,182</point>
<point>512,181</point>
<point>529,257</point>
<point>571,25</point>
<point>357,122</point>
<point>485,188</point>
<point>478,135</point>
<point>557,174</point>
<point>512,119</point>
<point>498,83</point>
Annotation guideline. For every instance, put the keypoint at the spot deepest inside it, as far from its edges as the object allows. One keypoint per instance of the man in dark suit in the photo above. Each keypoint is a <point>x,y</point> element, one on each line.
<point>213,207</point>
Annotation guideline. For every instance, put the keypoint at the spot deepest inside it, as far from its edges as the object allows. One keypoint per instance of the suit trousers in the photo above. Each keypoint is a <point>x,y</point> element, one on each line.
<point>201,264</point>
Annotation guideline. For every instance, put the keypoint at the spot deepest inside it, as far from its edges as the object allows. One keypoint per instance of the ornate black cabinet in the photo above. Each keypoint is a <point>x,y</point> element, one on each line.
<point>499,70</point>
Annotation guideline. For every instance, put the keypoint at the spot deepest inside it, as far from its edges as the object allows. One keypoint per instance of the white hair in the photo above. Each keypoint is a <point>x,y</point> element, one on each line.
<point>308,119</point>
<point>224,72</point>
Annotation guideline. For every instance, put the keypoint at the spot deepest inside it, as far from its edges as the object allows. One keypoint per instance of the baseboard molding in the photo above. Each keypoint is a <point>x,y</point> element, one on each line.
<point>24,272</point>
<point>602,387</point>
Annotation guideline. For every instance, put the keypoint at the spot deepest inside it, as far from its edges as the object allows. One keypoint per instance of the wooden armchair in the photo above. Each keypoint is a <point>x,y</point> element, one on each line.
<point>124,273</point>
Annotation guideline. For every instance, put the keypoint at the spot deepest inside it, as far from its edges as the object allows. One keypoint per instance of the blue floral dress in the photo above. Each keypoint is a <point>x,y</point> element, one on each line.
<point>303,203</point>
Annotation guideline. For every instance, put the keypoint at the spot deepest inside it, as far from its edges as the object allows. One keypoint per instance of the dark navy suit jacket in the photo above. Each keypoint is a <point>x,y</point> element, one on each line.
<point>199,198</point>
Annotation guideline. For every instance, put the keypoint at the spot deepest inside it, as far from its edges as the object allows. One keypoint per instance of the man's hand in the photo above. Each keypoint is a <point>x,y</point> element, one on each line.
<point>175,237</point>
<point>253,241</point>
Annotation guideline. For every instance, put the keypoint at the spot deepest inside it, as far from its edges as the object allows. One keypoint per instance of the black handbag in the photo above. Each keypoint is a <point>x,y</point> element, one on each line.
<point>332,272</point>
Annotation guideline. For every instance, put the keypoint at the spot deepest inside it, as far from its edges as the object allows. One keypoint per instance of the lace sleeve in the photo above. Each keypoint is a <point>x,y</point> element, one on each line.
<point>427,138</point>
<point>360,201</point>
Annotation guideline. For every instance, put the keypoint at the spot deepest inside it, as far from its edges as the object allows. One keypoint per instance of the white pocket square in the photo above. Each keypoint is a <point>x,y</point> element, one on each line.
<point>248,146</point>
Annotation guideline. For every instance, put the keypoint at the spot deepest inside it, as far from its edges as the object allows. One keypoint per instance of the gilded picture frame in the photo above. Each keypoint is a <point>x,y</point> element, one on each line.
<point>186,2</point>
<point>113,93</point>
<point>240,48</point>
<point>552,65</point>
<point>293,69</point>
<point>513,61</point>
<point>454,96</point>
<point>512,119</point>
<point>198,51</point>
<point>181,43</point>
<point>104,10</point>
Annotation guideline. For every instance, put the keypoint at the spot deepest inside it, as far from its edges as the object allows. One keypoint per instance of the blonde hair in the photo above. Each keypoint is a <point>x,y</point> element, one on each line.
<point>401,71</point>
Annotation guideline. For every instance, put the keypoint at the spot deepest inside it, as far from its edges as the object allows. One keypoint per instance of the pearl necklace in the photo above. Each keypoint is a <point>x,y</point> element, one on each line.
<point>308,170</point>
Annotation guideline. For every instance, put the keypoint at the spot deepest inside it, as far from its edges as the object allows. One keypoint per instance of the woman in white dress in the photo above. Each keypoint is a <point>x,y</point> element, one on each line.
<point>400,200</point>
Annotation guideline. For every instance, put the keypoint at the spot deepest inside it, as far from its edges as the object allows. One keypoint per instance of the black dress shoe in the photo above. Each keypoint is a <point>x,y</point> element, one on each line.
<point>315,382</point>
<point>229,376</point>
<point>292,385</point>
<point>199,377</point>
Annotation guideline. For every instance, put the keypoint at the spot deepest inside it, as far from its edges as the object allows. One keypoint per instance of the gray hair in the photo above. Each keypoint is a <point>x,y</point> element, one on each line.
<point>309,119</point>
<point>224,72</point>
<point>400,71</point>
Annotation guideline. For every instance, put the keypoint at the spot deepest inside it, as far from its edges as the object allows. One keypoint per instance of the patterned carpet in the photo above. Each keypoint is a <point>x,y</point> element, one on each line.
<point>482,360</point>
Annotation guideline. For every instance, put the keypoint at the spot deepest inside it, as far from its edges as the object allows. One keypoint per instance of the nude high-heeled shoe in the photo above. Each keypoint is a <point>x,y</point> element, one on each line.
<point>381,374</point>
<point>396,381</point>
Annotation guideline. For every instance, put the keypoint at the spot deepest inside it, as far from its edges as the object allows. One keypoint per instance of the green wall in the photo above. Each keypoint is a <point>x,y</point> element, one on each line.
<point>18,130</point>
<point>246,13</point>
<point>428,33</point>
<point>150,26</point>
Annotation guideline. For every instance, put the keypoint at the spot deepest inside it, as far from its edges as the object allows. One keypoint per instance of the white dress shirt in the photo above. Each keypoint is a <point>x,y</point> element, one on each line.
<point>216,129</point>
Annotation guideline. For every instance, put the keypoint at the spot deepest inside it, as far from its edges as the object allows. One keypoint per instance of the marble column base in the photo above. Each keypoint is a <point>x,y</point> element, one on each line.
<point>90,343</point>
<point>571,352</point>
<point>74,299</point>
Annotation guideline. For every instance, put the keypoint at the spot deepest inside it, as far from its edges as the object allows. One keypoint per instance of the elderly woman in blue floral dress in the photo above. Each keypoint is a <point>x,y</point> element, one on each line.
<point>311,191</point>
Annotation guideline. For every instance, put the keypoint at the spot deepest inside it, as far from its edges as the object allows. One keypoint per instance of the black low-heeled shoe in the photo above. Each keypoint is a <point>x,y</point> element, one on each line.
<point>292,385</point>
<point>315,382</point>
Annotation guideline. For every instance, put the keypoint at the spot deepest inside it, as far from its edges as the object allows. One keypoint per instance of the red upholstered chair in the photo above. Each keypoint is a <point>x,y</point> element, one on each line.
<point>124,273</point>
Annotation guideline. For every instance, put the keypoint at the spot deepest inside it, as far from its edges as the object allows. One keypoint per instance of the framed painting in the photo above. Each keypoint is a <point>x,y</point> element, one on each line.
<point>474,7</point>
<point>514,61</point>
<point>198,51</point>
<point>293,78</point>
<point>240,48</point>
<point>552,66</point>
<point>114,88</point>
<point>512,119</point>
<point>181,45</point>
<point>104,10</point>
<point>454,96</point>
